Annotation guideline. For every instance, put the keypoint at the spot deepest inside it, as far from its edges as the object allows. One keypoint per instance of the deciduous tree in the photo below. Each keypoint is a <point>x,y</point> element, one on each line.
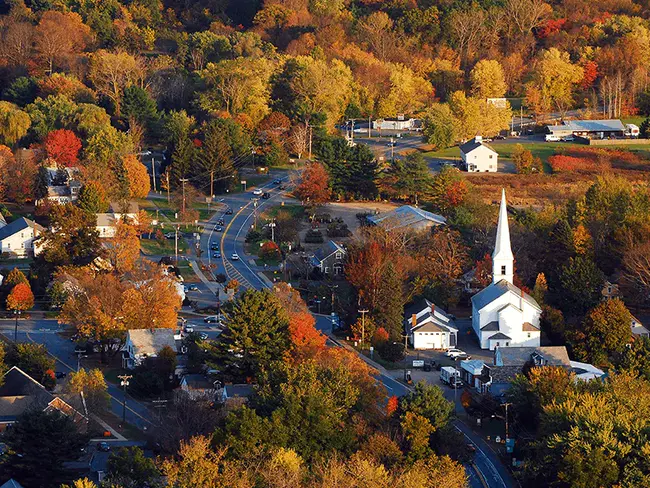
<point>111,73</point>
<point>14,123</point>
<point>60,36</point>
<point>123,249</point>
<point>93,386</point>
<point>313,187</point>
<point>63,146</point>
<point>139,181</point>
<point>488,80</point>
<point>20,298</point>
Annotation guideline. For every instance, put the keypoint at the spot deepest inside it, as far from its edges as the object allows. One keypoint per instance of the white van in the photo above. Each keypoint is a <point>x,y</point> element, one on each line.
<point>552,138</point>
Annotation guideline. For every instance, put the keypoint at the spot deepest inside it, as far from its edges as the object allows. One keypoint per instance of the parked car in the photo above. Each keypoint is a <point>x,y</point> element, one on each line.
<point>282,187</point>
<point>266,195</point>
<point>189,328</point>
<point>203,336</point>
<point>452,352</point>
<point>170,235</point>
<point>211,319</point>
<point>60,375</point>
<point>220,222</point>
<point>234,257</point>
<point>229,211</point>
<point>276,181</point>
<point>569,138</point>
<point>103,447</point>
<point>500,137</point>
<point>257,192</point>
<point>462,356</point>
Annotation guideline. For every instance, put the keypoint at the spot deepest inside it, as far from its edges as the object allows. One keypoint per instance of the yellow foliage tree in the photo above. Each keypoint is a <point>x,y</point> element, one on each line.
<point>139,182</point>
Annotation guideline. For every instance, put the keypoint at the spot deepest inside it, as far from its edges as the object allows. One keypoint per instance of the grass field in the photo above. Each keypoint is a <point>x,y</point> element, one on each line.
<point>296,211</point>
<point>163,247</point>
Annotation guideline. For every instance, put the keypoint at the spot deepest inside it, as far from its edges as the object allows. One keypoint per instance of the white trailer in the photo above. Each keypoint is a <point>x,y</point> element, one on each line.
<point>450,376</point>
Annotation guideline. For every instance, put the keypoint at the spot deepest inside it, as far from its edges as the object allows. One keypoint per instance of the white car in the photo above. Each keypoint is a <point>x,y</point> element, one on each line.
<point>453,352</point>
<point>189,328</point>
<point>234,257</point>
<point>257,192</point>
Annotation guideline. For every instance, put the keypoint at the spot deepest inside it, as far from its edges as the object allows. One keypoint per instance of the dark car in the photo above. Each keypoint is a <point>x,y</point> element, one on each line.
<point>218,228</point>
<point>82,349</point>
<point>266,195</point>
<point>60,375</point>
<point>220,222</point>
<point>216,255</point>
<point>214,246</point>
<point>229,211</point>
<point>192,287</point>
<point>103,447</point>
<point>282,187</point>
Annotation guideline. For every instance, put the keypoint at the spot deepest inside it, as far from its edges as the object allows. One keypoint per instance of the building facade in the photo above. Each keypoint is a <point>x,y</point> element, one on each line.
<point>478,157</point>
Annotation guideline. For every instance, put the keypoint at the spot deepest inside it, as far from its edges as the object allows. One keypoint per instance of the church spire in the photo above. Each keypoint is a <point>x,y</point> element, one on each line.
<point>502,258</point>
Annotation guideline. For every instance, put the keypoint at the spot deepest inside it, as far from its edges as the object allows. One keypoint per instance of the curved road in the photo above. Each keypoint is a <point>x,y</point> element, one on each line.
<point>491,472</point>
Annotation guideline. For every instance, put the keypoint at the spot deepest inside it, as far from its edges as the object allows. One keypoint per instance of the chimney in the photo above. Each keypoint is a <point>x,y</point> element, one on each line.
<point>478,138</point>
<point>400,116</point>
<point>414,320</point>
<point>433,308</point>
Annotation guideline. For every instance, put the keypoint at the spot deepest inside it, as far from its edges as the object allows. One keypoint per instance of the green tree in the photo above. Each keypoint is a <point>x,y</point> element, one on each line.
<point>21,91</point>
<point>439,126</point>
<point>178,125</point>
<point>215,160</point>
<point>636,358</point>
<point>138,105</point>
<point>94,388</point>
<point>182,158</point>
<point>605,333</point>
<point>524,161</point>
<point>417,431</point>
<point>41,183</point>
<point>429,402</point>
<point>488,80</point>
<point>34,360</point>
<point>581,283</point>
<point>352,170</point>
<point>644,128</point>
<point>389,312</point>
<point>14,123</point>
<point>51,113</point>
<point>46,439</point>
<point>257,334</point>
<point>129,468</point>
<point>92,198</point>
<point>407,177</point>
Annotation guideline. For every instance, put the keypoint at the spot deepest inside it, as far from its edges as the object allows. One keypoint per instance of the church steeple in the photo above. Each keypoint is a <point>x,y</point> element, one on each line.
<point>502,258</point>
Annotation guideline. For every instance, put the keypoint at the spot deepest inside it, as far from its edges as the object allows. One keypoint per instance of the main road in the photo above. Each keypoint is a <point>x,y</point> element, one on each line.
<point>489,471</point>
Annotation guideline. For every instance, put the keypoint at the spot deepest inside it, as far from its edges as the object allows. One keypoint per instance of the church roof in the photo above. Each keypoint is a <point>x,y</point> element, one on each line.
<point>491,326</point>
<point>496,290</point>
<point>528,327</point>
<point>500,335</point>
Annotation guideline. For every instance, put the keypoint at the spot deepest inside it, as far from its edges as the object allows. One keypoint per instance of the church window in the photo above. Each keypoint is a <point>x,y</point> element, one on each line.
<point>529,335</point>
<point>503,270</point>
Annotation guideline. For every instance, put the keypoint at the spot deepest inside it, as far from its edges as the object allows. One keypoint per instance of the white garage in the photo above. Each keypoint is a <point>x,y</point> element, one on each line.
<point>428,326</point>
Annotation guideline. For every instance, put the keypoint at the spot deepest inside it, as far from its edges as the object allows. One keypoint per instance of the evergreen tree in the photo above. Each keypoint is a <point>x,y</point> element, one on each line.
<point>92,198</point>
<point>644,128</point>
<point>215,160</point>
<point>257,334</point>
<point>41,183</point>
<point>581,283</point>
<point>390,309</point>
<point>181,161</point>
<point>138,105</point>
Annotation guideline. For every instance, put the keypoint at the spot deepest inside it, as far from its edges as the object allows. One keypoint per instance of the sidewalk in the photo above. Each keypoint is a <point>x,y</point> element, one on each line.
<point>114,433</point>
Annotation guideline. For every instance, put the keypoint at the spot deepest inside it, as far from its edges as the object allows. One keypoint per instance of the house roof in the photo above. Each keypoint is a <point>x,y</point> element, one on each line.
<point>407,216</point>
<point>586,371</point>
<point>17,225</point>
<point>12,406</point>
<point>105,220</point>
<point>501,336</point>
<point>470,145</point>
<point>472,364</point>
<point>197,382</point>
<point>239,391</point>
<point>491,326</point>
<point>416,307</point>
<point>12,483</point>
<point>58,191</point>
<point>327,250</point>
<point>610,125</point>
<point>495,290</point>
<point>528,327</point>
<point>133,208</point>
<point>149,342</point>
<point>519,356</point>
<point>426,319</point>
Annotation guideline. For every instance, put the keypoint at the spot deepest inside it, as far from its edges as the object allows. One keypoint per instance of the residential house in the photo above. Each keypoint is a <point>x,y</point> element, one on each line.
<point>407,217</point>
<point>198,387</point>
<point>638,329</point>
<point>610,290</point>
<point>236,393</point>
<point>478,157</point>
<point>428,326</point>
<point>63,185</point>
<point>17,238</point>
<point>476,374</point>
<point>12,483</point>
<point>502,314</point>
<point>106,222</point>
<point>590,129</point>
<point>20,392</point>
<point>585,371</point>
<point>330,259</point>
<point>145,343</point>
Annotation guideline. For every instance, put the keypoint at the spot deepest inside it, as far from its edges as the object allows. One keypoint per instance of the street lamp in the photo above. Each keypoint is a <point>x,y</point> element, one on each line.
<point>16,314</point>
<point>124,383</point>
<point>79,356</point>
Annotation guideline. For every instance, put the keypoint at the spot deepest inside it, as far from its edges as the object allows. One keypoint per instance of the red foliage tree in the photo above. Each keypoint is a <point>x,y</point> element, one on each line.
<point>391,405</point>
<point>483,274</point>
<point>307,341</point>
<point>20,297</point>
<point>456,193</point>
<point>270,250</point>
<point>63,146</point>
<point>380,336</point>
<point>590,70</point>
<point>314,185</point>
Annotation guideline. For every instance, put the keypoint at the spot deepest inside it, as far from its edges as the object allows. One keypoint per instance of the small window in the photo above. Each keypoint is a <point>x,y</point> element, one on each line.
<point>498,344</point>
<point>22,236</point>
<point>503,270</point>
<point>8,245</point>
<point>338,255</point>
<point>507,344</point>
<point>490,158</point>
<point>327,269</point>
<point>437,333</point>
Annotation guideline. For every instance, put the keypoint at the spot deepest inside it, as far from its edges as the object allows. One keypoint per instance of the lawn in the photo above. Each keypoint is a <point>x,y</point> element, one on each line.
<point>162,247</point>
<point>188,274</point>
<point>296,211</point>
<point>541,150</point>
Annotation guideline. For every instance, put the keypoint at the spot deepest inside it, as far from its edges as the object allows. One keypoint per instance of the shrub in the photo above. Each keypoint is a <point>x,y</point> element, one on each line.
<point>253,235</point>
<point>269,251</point>
<point>314,237</point>
<point>338,230</point>
<point>391,351</point>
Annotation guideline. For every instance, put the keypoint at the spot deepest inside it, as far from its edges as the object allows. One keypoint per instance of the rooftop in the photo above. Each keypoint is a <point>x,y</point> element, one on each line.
<point>495,290</point>
<point>149,342</point>
<point>610,125</point>
<point>472,144</point>
<point>407,216</point>
<point>519,356</point>
<point>327,249</point>
<point>239,391</point>
<point>17,225</point>
<point>197,382</point>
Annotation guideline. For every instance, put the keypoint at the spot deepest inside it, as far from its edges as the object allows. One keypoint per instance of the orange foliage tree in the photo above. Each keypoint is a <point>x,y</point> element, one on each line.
<point>139,185</point>
<point>63,146</point>
<point>20,297</point>
<point>314,185</point>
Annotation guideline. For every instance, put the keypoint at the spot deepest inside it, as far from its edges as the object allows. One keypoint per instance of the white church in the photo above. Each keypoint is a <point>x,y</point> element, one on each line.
<point>502,314</point>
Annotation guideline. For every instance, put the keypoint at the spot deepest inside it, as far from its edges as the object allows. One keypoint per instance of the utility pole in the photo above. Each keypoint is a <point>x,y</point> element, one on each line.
<point>333,288</point>
<point>352,133</point>
<point>255,212</point>
<point>309,127</point>
<point>153,174</point>
<point>125,382</point>
<point>363,325</point>
<point>183,180</point>
<point>369,126</point>
<point>211,182</point>
<point>392,149</point>
<point>272,226</point>
<point>506,405</point>
<point>176,243</point>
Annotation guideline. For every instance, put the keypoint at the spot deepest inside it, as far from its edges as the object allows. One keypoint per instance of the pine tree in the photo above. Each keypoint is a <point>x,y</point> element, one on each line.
<point>390,309</point>
<point>215,160</point>
<point>181,161</point>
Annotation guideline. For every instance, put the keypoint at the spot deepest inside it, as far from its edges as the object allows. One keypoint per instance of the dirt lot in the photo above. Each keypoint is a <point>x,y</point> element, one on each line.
<point>348,211</point>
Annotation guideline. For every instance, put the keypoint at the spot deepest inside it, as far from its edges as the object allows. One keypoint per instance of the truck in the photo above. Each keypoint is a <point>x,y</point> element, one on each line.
<point>632,130</point>
<point>450,376</point>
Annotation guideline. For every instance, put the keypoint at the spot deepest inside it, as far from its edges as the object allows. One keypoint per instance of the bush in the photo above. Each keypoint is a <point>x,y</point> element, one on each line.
<point>391,351</point>
<point>270,251</point>
<point>338,230</point>
<point>314,237</point>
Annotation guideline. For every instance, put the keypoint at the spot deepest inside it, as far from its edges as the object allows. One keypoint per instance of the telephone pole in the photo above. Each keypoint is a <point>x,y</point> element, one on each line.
<point>211,182</point>
<point>153,173</point>
<point>506,405</point>
<point>183,180</point>
<point>363,325</point>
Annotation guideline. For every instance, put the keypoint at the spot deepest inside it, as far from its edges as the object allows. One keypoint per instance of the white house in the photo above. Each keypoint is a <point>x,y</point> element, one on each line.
<point>428,326</point>
<point>502,314</point>
<point>17,238</point>
<point>638,329</point>
<point>63,185</point>
<point>398,123</point>
<point>478,157</point>
<point>198,387</point>
<point>106,222</point>
<point>145,343</point>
